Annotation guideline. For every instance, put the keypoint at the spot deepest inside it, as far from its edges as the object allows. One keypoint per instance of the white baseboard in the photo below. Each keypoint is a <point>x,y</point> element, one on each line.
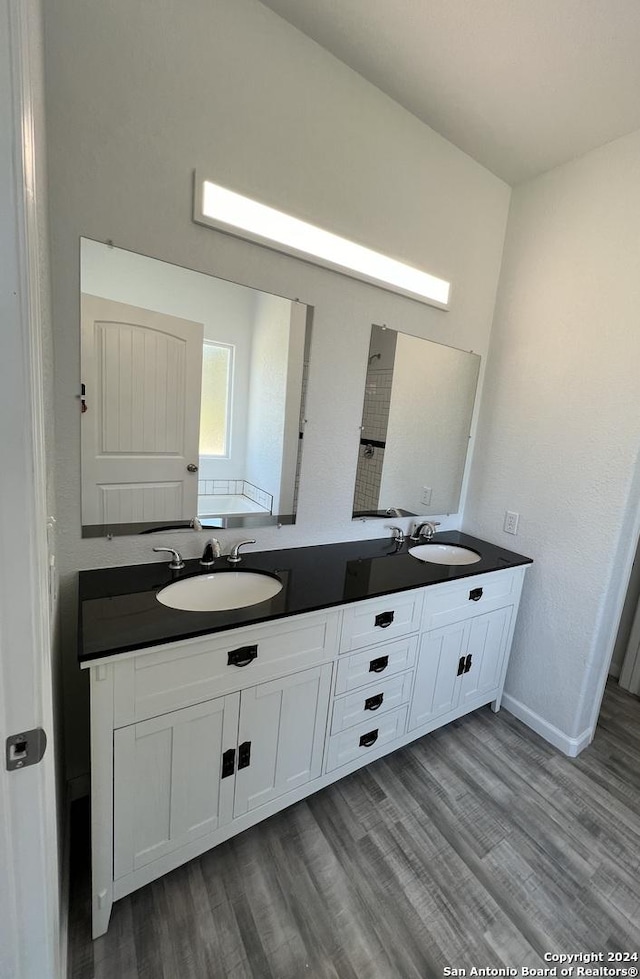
<point>568,746</point>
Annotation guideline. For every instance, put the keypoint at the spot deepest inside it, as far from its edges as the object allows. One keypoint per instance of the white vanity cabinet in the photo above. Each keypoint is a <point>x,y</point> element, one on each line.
<point>194,741</point>
<point>184,775</point>
<point>466,635</point>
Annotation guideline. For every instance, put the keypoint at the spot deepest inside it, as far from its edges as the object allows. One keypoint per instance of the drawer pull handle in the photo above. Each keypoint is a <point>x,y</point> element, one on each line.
<point>467,665</point>
<point>475,594</point>
<point>379,664</point>
<point>228,762</point>
<point>244,755</point>
<point>242,656</point>
<point>384,620</point>
<point>460,666</point>
<point>368,739</point>
<point>372,703</point>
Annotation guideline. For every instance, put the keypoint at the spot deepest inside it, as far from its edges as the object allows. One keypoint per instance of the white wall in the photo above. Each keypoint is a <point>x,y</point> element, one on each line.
<point>559,429</point>
<point>140,94</point>
<point>432,397</point>
<point>267,395</point>
<point>294,407</point>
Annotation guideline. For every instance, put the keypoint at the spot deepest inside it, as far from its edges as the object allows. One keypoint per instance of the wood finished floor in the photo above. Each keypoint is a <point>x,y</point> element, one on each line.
<point>477,845</point>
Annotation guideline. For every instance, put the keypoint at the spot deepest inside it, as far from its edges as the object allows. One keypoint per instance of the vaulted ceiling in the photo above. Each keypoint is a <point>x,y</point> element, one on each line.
<point>520,85</point>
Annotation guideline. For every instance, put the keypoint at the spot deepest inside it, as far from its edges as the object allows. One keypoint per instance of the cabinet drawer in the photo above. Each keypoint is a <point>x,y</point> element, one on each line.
<point>379,662</point>
<point>380,619</point>
<point>469,596</point>
<point>365,739</point>
<point>371,702</point>
<point>201,669</point>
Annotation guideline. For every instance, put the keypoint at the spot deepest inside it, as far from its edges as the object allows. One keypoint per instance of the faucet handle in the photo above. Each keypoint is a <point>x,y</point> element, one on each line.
<point>176,562</point>
<point>398,533</point>
<point>419,529</point>
<point>234,556</point>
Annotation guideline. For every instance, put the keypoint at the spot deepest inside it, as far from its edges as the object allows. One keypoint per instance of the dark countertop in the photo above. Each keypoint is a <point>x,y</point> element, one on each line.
<point>118,609</point>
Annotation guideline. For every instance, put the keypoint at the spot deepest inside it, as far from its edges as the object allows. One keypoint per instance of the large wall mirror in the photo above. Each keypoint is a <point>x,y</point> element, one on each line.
<point>192,397</point>
<point>416,419</point>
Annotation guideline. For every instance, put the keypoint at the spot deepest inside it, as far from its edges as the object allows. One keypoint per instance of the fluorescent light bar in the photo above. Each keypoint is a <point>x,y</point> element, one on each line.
<point>231,212</point>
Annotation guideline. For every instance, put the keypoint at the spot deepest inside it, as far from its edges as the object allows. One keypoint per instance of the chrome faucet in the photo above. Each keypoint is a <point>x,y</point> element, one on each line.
<point>398,533</point>
<point>210,553</point>
<point>419,530</point>
<point>234,557</point>
<point>176,562</point>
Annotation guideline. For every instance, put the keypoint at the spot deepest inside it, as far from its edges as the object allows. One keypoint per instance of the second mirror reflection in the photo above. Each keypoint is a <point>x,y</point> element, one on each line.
<point>416,419</point>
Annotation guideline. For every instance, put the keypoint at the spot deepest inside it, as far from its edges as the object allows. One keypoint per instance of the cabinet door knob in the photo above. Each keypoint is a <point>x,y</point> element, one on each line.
<point>372,703</point>
<point>460,666</point>
<point>244,755</point>
<point>228,762</point>
<point>242,656</point>
<point>467,665</point>
<point>379,664</point>
<point>368,739</point>
<point>384,620</point>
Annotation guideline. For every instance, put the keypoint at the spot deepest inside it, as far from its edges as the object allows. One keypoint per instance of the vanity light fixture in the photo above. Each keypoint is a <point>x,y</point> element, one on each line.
<point>223,209</point>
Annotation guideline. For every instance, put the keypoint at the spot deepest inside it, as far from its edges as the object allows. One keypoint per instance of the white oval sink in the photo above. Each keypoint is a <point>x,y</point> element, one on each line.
<point>219,591</point>
<point>444,554</point>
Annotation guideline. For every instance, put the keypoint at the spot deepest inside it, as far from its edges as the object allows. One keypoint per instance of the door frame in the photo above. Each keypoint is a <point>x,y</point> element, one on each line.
<point>29,903</point>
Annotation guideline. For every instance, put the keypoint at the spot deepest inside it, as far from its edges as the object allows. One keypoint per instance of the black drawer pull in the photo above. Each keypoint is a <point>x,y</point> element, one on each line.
<point>460,666</point>
<point>242,656</point>
<point>368,739</point>
<point>372,703</point>
<point>475,594</point>
<point>467,665</point>
<point>228,762</point>
<point>244,755</point>
<point>379,664</point>
<point>384,620</point>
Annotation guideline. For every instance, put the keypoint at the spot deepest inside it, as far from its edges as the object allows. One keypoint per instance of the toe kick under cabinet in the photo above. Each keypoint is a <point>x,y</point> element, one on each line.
<point>195,741</point>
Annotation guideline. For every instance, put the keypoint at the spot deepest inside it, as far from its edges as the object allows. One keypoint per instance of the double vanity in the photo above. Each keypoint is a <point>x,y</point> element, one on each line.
<point>203,723</point>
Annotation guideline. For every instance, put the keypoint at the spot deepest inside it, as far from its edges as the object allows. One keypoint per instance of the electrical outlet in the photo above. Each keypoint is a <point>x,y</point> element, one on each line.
<point>511,522</point>
<point>426,495</point>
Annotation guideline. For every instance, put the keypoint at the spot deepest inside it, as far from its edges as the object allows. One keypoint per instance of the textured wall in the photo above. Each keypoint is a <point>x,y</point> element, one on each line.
<point>559,429</point>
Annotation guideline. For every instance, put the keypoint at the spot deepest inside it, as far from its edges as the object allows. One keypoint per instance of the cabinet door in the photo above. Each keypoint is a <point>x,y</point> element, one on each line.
<point>168,788</point>
<point>437,684</point>
<point>281,739</point>
<point>484,653</point>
